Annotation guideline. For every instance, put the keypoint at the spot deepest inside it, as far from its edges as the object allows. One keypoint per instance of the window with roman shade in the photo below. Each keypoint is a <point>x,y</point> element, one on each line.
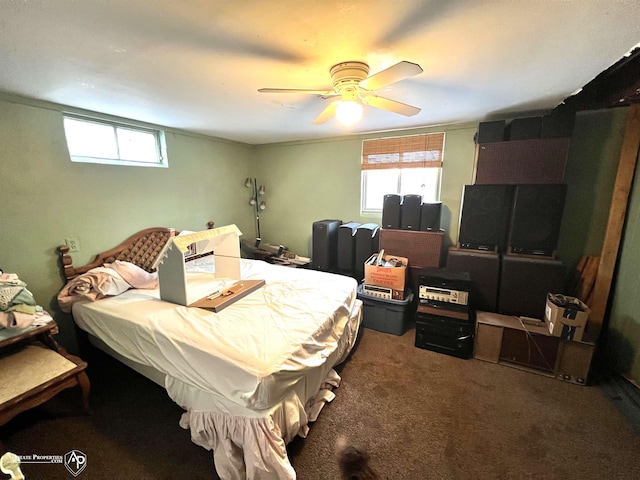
<point>403,165</point>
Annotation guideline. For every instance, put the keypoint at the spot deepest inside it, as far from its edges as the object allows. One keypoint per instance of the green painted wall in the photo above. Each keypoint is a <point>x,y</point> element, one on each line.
<point>46,198</point>
<point>314,180</point>
<point>622,348</point>
<point>591,172</point>
<point>590,175</point>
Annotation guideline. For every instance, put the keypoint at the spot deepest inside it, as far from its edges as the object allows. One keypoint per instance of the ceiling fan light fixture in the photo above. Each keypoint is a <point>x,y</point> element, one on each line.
<point>349,112</point>
<point>351,83</point>
<point>349,109</point>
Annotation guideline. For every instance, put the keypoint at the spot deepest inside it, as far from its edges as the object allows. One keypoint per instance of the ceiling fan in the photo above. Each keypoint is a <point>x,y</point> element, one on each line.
<point>355,88</point>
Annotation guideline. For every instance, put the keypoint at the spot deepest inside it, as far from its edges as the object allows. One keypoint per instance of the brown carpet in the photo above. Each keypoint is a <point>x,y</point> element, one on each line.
<point>420,414</point>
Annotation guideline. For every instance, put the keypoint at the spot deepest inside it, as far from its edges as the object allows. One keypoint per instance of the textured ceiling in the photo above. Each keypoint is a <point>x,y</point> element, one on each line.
<point>197,65</point>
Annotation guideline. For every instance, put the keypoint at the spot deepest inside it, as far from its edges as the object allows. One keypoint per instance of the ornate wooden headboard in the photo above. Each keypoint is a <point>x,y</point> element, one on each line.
<point>141,248</point>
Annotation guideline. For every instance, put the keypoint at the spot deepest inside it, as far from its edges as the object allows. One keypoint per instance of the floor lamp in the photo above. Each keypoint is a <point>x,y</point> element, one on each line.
<point>256,203</point>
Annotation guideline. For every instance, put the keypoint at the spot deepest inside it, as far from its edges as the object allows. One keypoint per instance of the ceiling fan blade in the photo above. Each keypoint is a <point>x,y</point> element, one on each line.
<point>395,73</point>
<point>298,90</point>
<point>391,105</point>
<point>326,114</point>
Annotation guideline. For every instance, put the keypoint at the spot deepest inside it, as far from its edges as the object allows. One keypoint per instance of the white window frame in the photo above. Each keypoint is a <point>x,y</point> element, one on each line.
<point>398,190</point>
<point>158,136</point>
<point>397,173</point>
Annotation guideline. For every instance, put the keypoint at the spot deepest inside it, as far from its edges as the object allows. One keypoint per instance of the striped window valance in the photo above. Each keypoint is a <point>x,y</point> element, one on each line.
<point>413,151</point>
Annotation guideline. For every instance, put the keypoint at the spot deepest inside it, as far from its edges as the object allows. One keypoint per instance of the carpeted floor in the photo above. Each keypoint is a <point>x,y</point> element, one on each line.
<point>420,415</point>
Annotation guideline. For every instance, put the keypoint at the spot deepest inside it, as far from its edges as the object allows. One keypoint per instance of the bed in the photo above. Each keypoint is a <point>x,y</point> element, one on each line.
<point>252,376</point>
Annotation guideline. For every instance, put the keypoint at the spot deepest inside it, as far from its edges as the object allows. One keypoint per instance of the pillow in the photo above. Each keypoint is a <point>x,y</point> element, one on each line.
<point>135,276</point>
<point>112,283</point>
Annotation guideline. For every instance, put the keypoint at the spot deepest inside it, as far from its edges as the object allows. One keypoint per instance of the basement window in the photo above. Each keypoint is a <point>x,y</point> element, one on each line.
<point>401,165</point>
<point>92,140</point>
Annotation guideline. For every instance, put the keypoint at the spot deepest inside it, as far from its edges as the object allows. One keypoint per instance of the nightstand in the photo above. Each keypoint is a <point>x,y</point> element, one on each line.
<point>34,368</point>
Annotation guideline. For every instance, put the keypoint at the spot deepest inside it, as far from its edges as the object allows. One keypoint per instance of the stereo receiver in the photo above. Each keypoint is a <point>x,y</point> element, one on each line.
<point>443,286</point>
<point>444,295</point>
<point>377,291</point>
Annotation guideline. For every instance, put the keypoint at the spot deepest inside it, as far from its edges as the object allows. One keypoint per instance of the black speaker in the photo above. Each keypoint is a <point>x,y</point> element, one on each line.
<point>324,244</point>
<point>484,220</point>
<point>491,132</point>
<point>347,246</point>
<point>558,123</point>
<point>410,212</point>
<point>524,128</point>
<point>536,219</point>
<point>484,270</point>
<point>525,283</point>
<point>367,242</point>
<point>391,211</point>
<point>430,216</point>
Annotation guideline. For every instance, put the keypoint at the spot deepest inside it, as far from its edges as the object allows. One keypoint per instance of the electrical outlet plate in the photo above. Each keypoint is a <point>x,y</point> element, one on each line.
<point>73,244</point>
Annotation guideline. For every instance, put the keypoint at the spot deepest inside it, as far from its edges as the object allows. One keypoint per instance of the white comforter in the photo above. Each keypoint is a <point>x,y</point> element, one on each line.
<point>251,352</point>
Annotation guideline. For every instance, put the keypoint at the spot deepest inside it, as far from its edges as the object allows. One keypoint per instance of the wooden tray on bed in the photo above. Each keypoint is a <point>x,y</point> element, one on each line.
<point>233,294</point>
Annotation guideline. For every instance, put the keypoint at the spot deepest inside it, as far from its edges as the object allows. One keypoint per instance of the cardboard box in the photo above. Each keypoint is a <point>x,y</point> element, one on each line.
<point>567,322</point>
<point>391,277</point>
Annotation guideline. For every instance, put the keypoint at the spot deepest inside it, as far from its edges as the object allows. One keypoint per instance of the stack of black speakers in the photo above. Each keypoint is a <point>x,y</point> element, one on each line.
<point>511,217</point>
<point>516,219</point>
<point>343,247</point>
<point>411,229</point>
<point>409,212</point>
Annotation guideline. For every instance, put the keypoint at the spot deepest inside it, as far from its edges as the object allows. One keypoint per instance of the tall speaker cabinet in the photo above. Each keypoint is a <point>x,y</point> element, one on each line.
<point>324,244</point>
<point>539,160</point>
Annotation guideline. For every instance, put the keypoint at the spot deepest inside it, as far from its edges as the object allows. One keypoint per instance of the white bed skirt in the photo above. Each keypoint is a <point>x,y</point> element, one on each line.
<point>249,443</point>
